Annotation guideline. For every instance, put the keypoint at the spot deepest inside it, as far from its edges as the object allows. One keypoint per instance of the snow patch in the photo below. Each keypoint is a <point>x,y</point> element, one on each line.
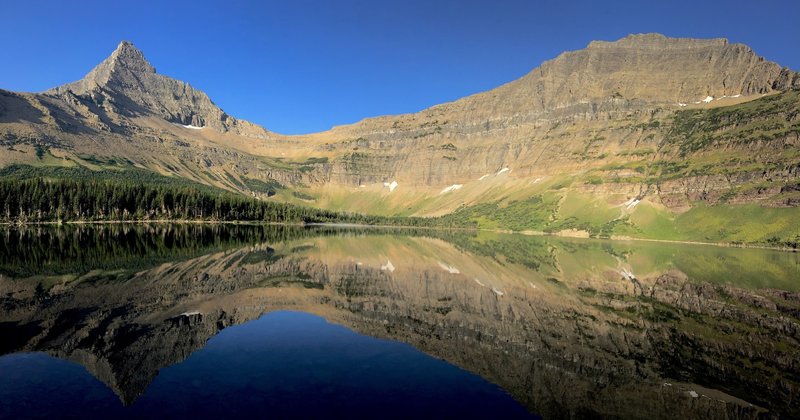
<point>536,180</point>
<point>450,269</point>
<point>484,177</point>
<point>390,185</point>
<point>451,188</point>
<point>191,313</point>
<point>388,266</point>
<point>633,202</point>
<point>497,292</point>
<point>737,95</point>
<point>708,99</point>
<point>479,282</point>
<point>694,394</point>
<point>503,170</point>
<point>192,127</point>
<point>681,104</point>
<point>627,274</point>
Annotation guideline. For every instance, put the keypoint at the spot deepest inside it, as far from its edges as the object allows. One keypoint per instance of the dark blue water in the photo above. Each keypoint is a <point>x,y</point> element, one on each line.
<point>285,364</point>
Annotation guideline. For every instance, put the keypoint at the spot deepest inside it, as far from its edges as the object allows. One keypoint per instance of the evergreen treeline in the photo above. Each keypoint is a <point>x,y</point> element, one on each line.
<point>124,248</point>
<point>42,200</point>
<point>78,249</point>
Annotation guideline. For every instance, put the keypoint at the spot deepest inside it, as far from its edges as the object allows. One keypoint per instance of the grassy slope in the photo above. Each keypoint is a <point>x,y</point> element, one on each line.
<point>748,223</point>
<point>555,211</point>
<point>700,142</point>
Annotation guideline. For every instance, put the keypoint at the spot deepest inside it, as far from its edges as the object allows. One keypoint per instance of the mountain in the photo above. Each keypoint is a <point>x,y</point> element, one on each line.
<point>636,71</point>
<point>646,136</point>
<point>127,84</point>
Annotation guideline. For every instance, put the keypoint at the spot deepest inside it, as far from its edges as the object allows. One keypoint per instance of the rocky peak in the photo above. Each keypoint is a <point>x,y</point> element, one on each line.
<point>128,56</point>
<point>126,83</point>
<point>125,63</point>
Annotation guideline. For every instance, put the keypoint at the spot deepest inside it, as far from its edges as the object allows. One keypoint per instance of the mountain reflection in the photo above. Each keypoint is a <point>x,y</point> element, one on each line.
<point>567,327</point>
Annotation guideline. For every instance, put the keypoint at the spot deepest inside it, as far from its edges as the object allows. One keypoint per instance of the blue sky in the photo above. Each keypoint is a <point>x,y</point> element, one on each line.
<point>303,66</point>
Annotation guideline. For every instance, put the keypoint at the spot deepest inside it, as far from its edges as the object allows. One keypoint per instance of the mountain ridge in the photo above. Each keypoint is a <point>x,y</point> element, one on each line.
<point>129,82</point>
<point>761,77</point>
<point>608,122</point>
<point>778,78</point>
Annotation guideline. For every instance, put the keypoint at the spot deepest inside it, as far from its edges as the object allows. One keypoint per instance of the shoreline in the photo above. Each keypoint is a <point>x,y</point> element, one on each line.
<point>563,234</point>
<point>615,238</point>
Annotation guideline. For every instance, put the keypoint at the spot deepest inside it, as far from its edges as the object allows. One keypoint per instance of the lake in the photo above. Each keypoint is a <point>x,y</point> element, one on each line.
<point>211,321</point>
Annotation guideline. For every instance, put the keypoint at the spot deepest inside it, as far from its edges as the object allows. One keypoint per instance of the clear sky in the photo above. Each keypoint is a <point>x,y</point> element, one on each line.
<point>300,66</point>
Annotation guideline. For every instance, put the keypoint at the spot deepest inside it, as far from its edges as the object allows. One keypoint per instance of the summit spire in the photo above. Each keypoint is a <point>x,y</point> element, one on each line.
<point>130,57</point>
<point>125,82</point>
<point>126,65</point>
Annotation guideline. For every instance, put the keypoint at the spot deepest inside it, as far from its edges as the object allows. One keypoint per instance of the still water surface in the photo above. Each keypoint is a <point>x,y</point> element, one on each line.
<point>222,321</point>
<point>284,364</point>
